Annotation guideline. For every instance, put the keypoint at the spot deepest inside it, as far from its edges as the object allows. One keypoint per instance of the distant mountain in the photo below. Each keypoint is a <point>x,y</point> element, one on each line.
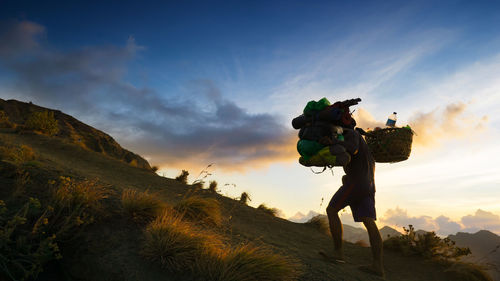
<point>485,248</point>
<point>301,218</point>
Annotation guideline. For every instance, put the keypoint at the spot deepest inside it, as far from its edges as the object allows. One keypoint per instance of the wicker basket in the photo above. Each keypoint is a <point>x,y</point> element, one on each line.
<point>390,145</point>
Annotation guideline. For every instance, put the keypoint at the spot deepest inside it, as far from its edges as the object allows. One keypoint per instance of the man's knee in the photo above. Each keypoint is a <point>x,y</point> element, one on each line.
<point>331,210</point>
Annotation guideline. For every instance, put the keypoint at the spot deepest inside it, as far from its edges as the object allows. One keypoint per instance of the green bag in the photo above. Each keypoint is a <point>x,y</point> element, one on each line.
<point>315,106</point>
<point>307,148</point>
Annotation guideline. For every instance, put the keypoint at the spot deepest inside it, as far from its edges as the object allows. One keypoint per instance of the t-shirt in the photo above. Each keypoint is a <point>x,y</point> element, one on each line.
<point>361,170</point>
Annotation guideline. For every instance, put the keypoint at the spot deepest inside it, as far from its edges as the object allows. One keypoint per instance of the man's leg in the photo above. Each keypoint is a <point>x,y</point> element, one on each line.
<point>376,245</point>
<point>337,231</point>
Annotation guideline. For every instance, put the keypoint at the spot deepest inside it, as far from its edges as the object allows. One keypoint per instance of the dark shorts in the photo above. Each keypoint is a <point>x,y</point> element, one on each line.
<point>361,206</point>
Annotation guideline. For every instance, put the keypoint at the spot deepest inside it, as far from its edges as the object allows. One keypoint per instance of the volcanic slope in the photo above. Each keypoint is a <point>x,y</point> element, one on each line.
<point>110,247</point>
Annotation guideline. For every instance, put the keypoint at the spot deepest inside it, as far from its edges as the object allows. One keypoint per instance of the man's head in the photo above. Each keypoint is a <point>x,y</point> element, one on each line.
<point>345,115</point>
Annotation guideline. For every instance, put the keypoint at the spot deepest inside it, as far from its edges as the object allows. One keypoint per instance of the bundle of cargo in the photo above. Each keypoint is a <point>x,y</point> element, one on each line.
<point>321,131</point>
<point>390,145</point>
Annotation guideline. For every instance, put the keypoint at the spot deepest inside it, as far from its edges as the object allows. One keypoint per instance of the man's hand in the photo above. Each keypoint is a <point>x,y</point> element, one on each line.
<point>326,141</point>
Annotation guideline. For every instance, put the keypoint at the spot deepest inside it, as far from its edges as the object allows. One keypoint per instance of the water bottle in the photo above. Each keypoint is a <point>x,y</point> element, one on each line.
<point>391,121</point>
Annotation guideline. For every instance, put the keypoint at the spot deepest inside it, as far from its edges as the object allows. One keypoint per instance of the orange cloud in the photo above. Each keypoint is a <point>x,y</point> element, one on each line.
<point>434,127</point>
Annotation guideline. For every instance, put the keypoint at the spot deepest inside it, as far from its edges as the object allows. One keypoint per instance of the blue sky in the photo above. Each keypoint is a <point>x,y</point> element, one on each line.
<point>187,83</point>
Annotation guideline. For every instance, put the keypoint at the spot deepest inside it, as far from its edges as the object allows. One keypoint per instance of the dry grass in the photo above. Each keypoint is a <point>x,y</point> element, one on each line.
<point>75,204</point>
<point>270,211</point>
<point>182,177</point>
<point>4,121</point>
<point>319,222</point>
<point>42,121</point>
<point>200,209</point>
<point>249,263</point>
<point>175,244</point>
<point>141,205</point>
<point>467,272</point>
<point>244,198</point>
<point>17,154</point>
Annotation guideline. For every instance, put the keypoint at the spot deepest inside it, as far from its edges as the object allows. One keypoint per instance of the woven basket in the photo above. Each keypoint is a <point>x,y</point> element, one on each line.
<point>390,145</point>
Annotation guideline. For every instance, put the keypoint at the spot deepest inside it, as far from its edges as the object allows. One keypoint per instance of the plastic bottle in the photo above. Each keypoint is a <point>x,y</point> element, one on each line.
<point>391,121</point>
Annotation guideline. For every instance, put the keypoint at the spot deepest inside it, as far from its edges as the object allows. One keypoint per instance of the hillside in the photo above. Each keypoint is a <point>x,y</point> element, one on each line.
<point>73,131</point>
<point>485,247</point>
<point>109,247</point>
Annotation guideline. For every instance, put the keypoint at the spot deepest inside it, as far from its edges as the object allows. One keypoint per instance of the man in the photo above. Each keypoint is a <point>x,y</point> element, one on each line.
<point>358,192</point>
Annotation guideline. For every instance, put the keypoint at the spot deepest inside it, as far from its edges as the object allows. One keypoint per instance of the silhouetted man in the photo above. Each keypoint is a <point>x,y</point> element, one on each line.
<point>358,192</point>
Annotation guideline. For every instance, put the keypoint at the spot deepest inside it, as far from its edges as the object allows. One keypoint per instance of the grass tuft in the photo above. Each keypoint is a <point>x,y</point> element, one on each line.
<point>183,177</point>
<point>17,154</point>
<point>244,198</point>
<point>270,211</point>
<point>319,222</point>
<point>467,272</point>
<point>200,209</point>
<point>248,263</point>
<point>175,244</point>
<point>140,205</point>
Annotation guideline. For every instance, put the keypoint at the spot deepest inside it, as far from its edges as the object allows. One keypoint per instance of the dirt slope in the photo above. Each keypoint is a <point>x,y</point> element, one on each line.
<point>110,249</point>
<point>73,131</point>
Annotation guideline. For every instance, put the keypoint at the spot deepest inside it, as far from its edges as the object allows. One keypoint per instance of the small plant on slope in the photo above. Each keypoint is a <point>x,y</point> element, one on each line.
<point>267,210</point>
<point>183,177</point>
<point>200,209</point>
<point>319,222</point>
<point>140,205</point>
<point>42,121</point>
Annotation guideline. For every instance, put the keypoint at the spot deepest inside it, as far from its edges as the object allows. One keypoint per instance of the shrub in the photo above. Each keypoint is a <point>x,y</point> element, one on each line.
<point>155,168</point>
<point>175,244</point>
<point>140,205</point>
<point>42,121</point>
<point>248,263</point>
<point>267,210</point>
<point>4,120</point>
<point>25,246</point>
<point>319,222</point>
<point>200,209</point>
<point>183,177</point>
<point>17,154</point>
<point>75,204</point>
<point>244,198</point>
<point>427,245</point>
<point>212,186</point>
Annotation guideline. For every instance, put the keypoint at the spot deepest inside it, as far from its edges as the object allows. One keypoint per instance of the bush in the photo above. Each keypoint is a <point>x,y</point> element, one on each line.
<point>75,204</point>
<point>17,154</point>
<point>183,177</point>
<point>4,120</point>
<point>24,245</point>
<point>200,209</point>
<point>155,168</point>
<point>212,186</point>
<point>175,244</point>
<point>140,205</point>
<point>42,121</point>
<point>244,198</point>
<point>427,245</point>
<point>267,210</point>
<point>319,222</point>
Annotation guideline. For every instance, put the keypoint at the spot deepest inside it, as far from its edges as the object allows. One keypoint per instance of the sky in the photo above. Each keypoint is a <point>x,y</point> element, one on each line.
<point>186,84</point>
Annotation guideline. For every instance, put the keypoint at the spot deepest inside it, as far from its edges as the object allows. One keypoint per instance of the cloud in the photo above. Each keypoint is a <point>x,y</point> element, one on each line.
<point>443,225</point>
<point>434,127</point>
<point>481,220</point>
<point>19,37</point>
<point>170,129</point>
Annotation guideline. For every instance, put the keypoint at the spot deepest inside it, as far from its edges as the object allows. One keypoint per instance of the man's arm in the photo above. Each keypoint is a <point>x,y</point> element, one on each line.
<point>351,141</point>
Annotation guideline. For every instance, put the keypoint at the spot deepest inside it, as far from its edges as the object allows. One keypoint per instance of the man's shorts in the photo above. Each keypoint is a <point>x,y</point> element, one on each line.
<point>361,206</point>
